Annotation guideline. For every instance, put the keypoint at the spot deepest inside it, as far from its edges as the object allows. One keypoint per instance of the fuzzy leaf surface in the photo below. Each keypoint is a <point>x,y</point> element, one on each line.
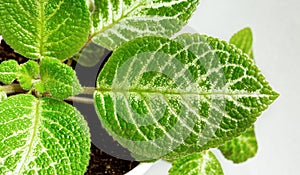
<point>27,73</point>
<point>8,71</point>
<point>38,29</point>
<point>118,21</point>
<point>204,163</point>
<point>58,79</point>
<point>42,136</point>
<point>173,97</point>
<point>241,148</point>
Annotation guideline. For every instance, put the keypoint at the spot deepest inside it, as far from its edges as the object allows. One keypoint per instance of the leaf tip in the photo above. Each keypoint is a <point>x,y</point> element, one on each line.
<point>247,29</point>
<point>274,96</point>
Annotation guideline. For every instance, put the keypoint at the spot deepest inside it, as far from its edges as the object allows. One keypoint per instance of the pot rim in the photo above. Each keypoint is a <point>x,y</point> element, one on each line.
<point>141,169</point>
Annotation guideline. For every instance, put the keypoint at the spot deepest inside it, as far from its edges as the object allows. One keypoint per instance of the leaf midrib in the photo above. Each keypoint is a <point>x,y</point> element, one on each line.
<point>41,27</point>
<point>170,92</point>
<point>35,130</point>
<point>7,73</point>
<point>117,21</point>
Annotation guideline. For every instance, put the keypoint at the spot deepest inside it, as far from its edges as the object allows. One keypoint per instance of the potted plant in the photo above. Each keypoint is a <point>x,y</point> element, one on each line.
<point>159,97</point>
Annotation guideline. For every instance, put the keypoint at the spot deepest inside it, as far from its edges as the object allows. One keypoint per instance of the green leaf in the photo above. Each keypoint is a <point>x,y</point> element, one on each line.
<point>173,97</point>
<point>243,40</point>
<point>38,29</point>
<point>3,95</point>
<point>245,146</point>
<point>42,136</point>
<point>115,22</point>
<point>241,148</point>
<point>90,55</point>
<point>28,73</point>
<point>58,79</point>
<point>8,71</point>
<point>90,4</point>
<point>204,163</point>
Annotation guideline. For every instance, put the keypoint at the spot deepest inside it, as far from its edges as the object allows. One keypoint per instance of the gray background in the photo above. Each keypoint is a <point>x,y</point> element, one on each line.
<point>276,30</point>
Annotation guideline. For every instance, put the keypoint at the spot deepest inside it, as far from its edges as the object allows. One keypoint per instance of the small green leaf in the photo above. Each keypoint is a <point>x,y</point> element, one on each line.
<point>241,148</point>
<point>58,79</point>
<point>39,28</point>
<point>8,71</point>
<point>3,95</point>
<point>116,21</point>
<point>175,97</point>
<point>204,163</point>
<point>42,136</point>
<point>28,72</point>
<point>243,39</point>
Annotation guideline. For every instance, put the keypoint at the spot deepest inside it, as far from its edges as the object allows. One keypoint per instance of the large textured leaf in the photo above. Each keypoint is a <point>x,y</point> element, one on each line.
<point>172,97</point>
<point>204,163</point>
<point>245,146</point>
<point>42,136</point>
<point>58,79</point>
<point>8,71</point>
<point>28,73</point>
<point>118,21</point>
<point>241,148</point>
<point>39,28</point>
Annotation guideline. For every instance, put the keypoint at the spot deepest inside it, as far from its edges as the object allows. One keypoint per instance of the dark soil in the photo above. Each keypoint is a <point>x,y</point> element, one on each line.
<point>101,162</point>
<point>7,53</point>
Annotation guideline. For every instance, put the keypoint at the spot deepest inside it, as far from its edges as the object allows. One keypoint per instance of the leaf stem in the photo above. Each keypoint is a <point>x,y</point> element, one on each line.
<point>12,89</point>
<point>83,100</point>
<point>16,89</point>
<point>69,62</point>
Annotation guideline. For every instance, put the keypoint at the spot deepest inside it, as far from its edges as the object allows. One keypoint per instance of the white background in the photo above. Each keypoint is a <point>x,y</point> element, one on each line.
<point>276,29</point>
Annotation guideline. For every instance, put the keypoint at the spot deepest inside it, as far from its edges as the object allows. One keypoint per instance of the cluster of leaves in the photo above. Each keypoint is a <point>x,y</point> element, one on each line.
<point>158,97</point>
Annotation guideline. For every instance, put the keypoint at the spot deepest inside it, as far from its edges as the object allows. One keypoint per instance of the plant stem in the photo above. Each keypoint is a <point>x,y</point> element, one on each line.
<point>12,89</point>
<point>83,100</point>
<point>16,89</point>
<point>70,60</point>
